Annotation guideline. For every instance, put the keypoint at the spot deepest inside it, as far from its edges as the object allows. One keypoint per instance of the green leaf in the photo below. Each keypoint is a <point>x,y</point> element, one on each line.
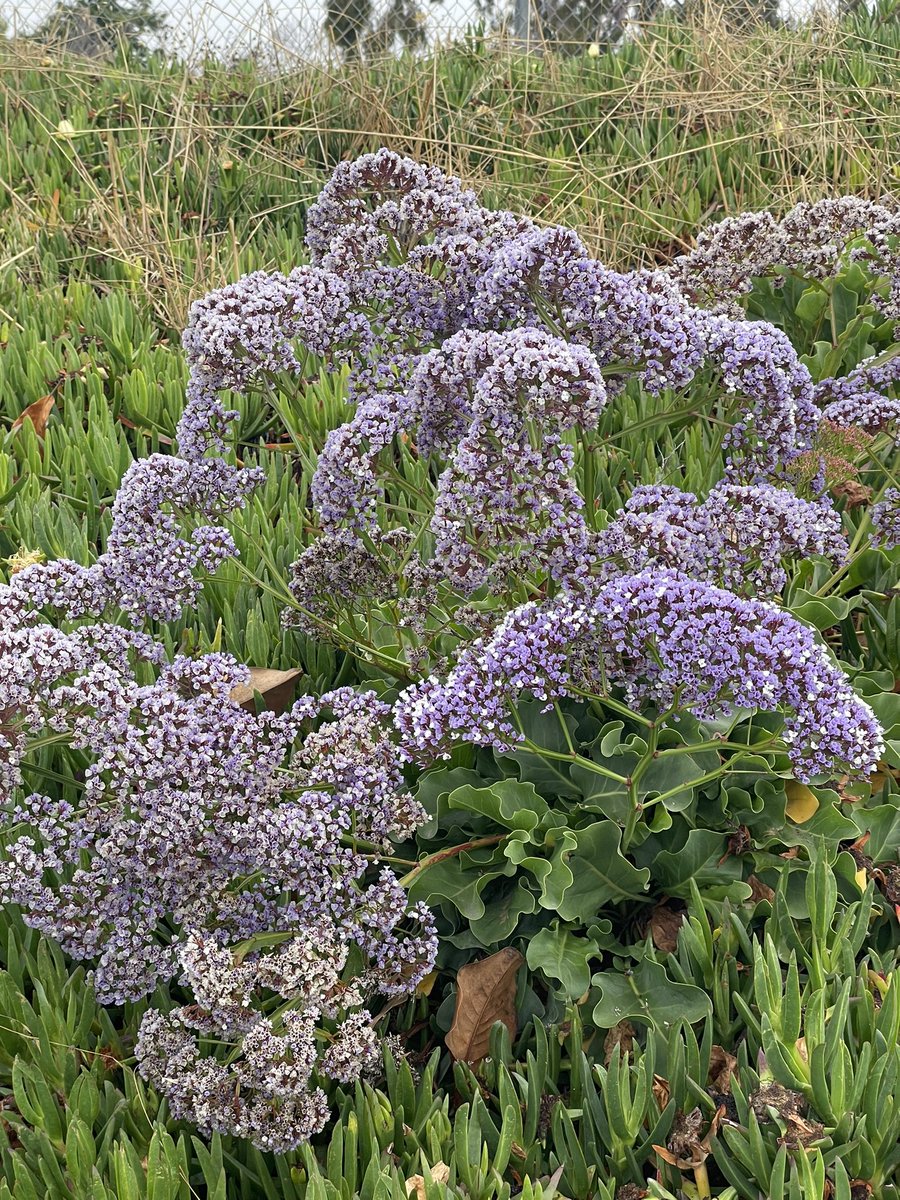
<point>600,873</point>
<point>510,803</point>
<point>561,955</point>
<point>647,994</point>
<point>674,869</point>
<point>450,879</point>
<point>503,912</point>
<point>822,612</point>
<point>811,305</point>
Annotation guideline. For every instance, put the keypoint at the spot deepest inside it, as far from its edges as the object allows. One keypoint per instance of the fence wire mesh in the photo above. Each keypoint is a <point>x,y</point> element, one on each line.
<point>320,30</point>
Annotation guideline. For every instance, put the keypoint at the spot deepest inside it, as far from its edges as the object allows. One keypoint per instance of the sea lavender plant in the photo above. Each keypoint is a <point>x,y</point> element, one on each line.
<point>203,835</point>
<point>194,812</point>
<point>665,639</point>
<point>812,240</point>
<point>738,537</point>
<point>239,852</point>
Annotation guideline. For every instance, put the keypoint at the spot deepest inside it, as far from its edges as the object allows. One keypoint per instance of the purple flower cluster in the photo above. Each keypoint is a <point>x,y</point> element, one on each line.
<point>737,537</point>
<point>811,240</point>
<point>665,639</point>
<point>239,333</point>
<point>858,400</point>
<point>202,834</point>
<point>148,567</point>
<point>886,519</point>
<point>497,404</point>
<point>269,1090</point>
<point>193,811</point>
<point>410,242</point>
<point>643,323</point>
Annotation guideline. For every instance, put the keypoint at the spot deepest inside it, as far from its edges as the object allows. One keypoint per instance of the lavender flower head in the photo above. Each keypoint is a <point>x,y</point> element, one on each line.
<point>738,537</point>
<point>665,639</point>
<point>496,405</point>
<point>886,519</point>
<point>812,240</point>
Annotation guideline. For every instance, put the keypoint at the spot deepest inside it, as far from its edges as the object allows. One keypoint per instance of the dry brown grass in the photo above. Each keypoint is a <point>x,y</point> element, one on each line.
<point>694,123</point>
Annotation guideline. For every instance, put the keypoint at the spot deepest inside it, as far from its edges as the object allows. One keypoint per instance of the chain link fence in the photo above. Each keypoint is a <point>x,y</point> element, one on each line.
<point>321,30</point>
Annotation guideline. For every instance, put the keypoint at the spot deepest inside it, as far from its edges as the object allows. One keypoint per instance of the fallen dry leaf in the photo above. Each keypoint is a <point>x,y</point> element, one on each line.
<point>37,413</point>
<point>621,1035</point>
<point>276,688</point>
<point>686,1149</point>
<point>721,1068</point>
<point>415,1185</point>
<point>802,802</point>
<point>661,1092</point>
<point>759,890</point>
<point>665,926</point>
<point>854,493</point>
<point>485,993</point>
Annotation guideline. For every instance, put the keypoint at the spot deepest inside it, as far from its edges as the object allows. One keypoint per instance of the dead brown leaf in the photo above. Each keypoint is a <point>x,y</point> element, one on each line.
<point>854,493</point>
<point>485,993</point>
<point>276,688</point>
<point>739,843</point>
<point>415,1185</point>
<point>37,413</point>
<point>621,1035</point>
<point>665,926</point>
<point>721,1068</point>
<point>686,1149</point>
<point>661,1091</point>
<point>759,891</point>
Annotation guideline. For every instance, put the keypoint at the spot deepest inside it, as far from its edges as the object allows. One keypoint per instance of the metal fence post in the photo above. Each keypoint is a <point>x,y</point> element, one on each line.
<point>522,22</point>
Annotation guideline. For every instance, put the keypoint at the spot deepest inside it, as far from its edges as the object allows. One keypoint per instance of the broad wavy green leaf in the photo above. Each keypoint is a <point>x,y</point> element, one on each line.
<point>561,955</point>
<point>647,994</point>
<point>600,873</point>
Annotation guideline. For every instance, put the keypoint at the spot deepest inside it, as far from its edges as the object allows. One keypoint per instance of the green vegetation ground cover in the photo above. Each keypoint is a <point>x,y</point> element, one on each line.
<point>126,195</point>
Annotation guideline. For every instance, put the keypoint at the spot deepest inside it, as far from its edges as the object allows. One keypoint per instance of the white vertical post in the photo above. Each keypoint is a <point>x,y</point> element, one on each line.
<point>522,22</point>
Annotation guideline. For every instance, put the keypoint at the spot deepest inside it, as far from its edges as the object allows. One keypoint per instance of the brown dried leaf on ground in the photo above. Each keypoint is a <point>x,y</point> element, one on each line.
<point>787,1104</point>
<point>688,1147</point>
<point>485,993</point>
<point>665,926</point>
<point>759,891</point>
<point>721,1069</point>
<point>276,688</point>
<point>856,494</point>
<point>661,1091</point>
<point>415,1185</point>
<point>37,413</point>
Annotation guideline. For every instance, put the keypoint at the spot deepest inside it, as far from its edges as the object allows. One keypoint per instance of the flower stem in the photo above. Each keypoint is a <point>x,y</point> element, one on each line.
<point>409,879</point>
